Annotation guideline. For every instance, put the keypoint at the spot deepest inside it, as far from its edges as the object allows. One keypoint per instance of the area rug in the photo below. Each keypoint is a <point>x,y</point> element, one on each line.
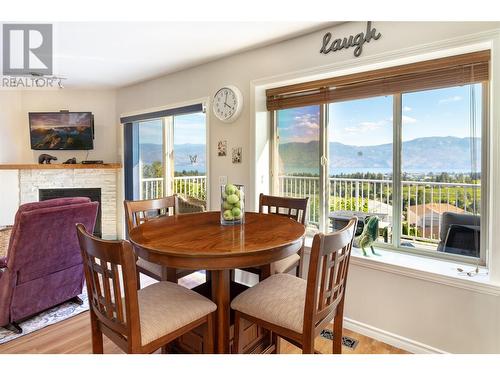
<point>70,309</point>
<point>47,318</point>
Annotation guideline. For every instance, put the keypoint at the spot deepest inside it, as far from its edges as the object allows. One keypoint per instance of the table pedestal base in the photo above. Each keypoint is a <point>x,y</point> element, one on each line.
<point>254,338</point>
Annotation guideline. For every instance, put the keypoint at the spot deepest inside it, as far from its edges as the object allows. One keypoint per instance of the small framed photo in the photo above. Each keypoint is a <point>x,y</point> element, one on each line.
<point>236,155</point>
<point>222,148</point>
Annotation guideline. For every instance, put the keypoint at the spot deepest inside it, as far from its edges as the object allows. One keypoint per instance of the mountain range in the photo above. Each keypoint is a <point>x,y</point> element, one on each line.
<point>432,154</point>
<point>424,154</point>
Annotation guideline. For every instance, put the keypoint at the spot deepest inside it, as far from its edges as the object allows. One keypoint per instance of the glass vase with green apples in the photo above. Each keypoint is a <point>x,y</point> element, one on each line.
<point>232,206</point>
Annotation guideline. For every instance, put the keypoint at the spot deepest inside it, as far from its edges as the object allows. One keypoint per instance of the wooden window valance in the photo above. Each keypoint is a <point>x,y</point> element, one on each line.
<point>432,74</point>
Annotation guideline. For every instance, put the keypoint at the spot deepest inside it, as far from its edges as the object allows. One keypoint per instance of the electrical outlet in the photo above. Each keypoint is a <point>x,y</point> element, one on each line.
<point>222,180</point>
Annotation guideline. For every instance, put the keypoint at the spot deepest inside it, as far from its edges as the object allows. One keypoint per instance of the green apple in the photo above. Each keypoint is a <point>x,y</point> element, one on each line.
<point>228,215</point>
<point>227,205</point>
<point>230,189</point>
<point>233,198</point>
<point>236,212</point>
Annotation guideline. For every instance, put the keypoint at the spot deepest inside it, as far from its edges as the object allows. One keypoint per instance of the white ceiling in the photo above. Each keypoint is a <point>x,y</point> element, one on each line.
<point>115,54</point>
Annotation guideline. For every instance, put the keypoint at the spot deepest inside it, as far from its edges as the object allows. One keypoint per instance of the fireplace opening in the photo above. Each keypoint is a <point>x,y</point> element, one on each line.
<point>93,193</point>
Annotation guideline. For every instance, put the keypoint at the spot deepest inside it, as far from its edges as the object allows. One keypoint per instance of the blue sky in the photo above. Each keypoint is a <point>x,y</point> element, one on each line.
<point>187,129</point>
<point>432,113</point>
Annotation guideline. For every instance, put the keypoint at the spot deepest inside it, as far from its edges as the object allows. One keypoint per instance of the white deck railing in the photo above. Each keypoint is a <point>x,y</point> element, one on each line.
<point>420,217</point>
<point>193,186</point>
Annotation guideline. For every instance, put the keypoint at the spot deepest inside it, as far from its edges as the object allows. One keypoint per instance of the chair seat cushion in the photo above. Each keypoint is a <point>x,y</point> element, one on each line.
<point>279,300</point>
<point>285,265</point>
<point>165,307</point>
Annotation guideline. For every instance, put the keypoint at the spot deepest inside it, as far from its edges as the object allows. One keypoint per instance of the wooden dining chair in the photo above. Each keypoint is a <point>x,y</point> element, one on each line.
<point>138,321</point>
<point>294,208</point>
<point>295,309</point>
<point>138,212</point>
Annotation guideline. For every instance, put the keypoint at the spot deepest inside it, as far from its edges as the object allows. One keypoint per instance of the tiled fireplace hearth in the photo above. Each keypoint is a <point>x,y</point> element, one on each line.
<point>35,182</point>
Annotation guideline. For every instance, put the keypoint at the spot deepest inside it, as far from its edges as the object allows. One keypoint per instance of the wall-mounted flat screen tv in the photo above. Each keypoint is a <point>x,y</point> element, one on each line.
<point>61,130</point>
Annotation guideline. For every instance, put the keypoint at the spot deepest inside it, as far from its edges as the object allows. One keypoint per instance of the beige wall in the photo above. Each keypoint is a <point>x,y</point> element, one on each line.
<point>14,127</point>
<point>417,309</point>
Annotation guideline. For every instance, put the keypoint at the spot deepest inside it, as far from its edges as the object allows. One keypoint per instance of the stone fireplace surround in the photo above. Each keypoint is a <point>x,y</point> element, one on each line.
<point>34,177</point>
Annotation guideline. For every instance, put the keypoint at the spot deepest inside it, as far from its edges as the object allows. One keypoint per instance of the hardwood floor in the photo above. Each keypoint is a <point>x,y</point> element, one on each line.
<point>366,345</point>
<point>72,336</point>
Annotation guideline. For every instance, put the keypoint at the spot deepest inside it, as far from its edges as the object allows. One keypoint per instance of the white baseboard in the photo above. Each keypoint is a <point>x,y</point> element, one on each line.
<point>391,338</point>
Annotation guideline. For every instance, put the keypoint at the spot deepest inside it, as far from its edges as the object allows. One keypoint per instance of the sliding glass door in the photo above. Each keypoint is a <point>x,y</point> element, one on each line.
<point>172,153</point>
<point>151,159</point>
<point>189,155</point>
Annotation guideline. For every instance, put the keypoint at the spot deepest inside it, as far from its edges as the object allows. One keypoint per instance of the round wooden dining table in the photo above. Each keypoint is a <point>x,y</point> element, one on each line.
<point>198,241</point>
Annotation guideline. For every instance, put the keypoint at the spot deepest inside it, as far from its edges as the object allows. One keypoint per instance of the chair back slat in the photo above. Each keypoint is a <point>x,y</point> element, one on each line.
<point>323,287</point>
<point>328,267</point>
<point>118,293</point>
<point>110,269</point>
<point>138,212</point>
<point>107,300</point>
<point>294,208</point>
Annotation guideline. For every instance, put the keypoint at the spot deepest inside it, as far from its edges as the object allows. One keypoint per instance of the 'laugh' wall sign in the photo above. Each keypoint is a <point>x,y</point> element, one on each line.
<point>356,41</point>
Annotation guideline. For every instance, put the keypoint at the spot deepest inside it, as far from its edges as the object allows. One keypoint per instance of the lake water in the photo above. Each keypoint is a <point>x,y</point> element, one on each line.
<point>384,171</point>
<point>333,171</point>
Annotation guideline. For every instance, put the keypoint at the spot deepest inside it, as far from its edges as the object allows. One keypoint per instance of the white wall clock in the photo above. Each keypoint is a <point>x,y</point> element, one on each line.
<point>227,103</point>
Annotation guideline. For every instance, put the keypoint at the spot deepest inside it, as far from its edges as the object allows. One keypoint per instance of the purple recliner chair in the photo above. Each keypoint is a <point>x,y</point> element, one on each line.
<point>43,266</point>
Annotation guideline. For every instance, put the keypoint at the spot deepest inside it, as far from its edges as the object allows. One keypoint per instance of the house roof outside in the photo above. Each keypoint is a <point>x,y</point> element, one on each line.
<point>417,212</point>
<point>379,207</point>
<point>435,207</point>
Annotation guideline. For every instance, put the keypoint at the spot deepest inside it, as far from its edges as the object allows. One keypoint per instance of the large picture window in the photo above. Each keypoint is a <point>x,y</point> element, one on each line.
<point>412,161</point>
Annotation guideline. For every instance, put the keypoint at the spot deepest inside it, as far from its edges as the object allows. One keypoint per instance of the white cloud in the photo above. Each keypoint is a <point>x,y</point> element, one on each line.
<point>450,99</point>
<point>308,121</point>
<point>304,128</point>
<point>365,126</point>
<point>406,108</point>
<point>408,120</point>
